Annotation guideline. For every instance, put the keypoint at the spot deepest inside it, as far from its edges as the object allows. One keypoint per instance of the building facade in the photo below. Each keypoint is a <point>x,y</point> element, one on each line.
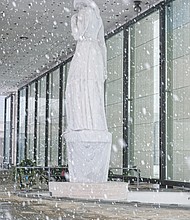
<point>147,101</point>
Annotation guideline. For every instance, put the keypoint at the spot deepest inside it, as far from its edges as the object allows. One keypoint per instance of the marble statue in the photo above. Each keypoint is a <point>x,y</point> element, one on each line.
<point>87,137</point>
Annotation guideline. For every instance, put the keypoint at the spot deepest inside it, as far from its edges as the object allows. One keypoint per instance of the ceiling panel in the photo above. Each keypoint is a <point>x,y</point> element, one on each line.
<point>33,33</point>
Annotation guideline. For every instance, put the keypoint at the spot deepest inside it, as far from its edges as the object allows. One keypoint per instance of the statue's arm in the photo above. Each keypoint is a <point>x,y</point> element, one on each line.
<point>83,21</point>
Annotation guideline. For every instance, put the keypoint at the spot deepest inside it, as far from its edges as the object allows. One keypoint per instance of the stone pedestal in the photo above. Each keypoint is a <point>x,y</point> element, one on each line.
<point>88,155</point>
<point>99,191</point>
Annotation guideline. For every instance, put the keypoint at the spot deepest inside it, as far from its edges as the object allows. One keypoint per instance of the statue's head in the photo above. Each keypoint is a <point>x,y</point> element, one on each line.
<point>78,4</point>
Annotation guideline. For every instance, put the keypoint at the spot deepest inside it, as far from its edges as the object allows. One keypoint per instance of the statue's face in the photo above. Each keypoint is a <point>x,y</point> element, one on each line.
<point>80,5</point>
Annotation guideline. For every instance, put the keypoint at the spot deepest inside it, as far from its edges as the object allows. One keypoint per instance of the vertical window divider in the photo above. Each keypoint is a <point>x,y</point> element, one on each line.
<point>125,95</point>
<point>11,130</point>
<point>60,116</point>
<point>162,64</point>
<point>18,118</point>
<point>66,69</point>
<point>5,128</point>
<point>26,125</point>
<point>47,120</point>
<point>35,121</point>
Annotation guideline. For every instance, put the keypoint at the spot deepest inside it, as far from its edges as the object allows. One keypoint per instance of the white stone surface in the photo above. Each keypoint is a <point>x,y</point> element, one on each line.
<point>177,198</point>
<point>88,155</point>
<point>87,137</point>
<point>88,70</point>
<point>103,191</point>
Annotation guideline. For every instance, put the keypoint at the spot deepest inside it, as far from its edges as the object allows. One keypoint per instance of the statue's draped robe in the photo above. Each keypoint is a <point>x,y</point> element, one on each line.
<point>87,138</point>
<point>87,73</point>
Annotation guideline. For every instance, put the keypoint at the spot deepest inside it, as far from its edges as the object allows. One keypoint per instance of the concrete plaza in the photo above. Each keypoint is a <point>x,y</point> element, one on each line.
<point>20,206</point>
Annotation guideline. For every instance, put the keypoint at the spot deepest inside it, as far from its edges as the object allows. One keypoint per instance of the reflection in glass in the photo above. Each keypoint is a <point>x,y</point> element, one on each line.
<point>53,119</point>
<point>114,97</point>
<point>41,121</point>
<point>143,107</point>
<point>178,91</point>
<point>21,129</point>
<point>30,121</point>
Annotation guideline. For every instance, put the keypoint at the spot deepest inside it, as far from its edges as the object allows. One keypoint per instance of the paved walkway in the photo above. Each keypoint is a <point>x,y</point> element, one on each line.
<point>14,207</point>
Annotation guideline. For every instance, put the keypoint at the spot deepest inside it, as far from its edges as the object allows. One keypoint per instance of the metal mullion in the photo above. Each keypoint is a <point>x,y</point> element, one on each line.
<point>11,130</point>
<point>5,128</point>
<point>26,124</point>
<point>125,95</point>
<point>46,120</point>
<point>18,127</point>
<point>162,64</point>
<point>35,121</point>
<point>60,116</point>
<point>65,117</point>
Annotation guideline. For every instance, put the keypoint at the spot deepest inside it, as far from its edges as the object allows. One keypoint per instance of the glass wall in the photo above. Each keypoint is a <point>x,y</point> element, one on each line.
<point>21,126</point>
<point>53,119</point>
<point>41,121</point>
<point>30,121</point>
<point>143,100</point>
<point>178,91</point>
<point>143,111</point>
<point>39,136</point>
<point>114,97</point>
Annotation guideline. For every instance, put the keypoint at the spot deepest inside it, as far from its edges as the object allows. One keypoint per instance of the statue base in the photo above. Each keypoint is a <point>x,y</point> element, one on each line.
<point>88,155</point>
<point>115,191</point>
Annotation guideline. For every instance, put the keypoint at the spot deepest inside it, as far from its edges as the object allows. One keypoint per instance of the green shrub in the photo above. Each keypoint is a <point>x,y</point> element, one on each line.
<point>26,175</point>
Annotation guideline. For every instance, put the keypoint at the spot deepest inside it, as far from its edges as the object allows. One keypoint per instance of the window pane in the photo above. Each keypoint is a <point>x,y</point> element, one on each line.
<point>41,120</point>
<point>143,112</point>
<point>114,97</point>
<point>21,135</point>
<point>31,119</point>
<point>178,91</point>
<point>53,119</point>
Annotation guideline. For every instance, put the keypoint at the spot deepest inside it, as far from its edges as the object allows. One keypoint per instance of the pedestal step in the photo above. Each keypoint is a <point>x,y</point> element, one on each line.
<point>100,191</point>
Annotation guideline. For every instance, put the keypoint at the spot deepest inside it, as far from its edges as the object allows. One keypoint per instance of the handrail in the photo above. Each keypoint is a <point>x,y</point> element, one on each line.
<point>129,169</point>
